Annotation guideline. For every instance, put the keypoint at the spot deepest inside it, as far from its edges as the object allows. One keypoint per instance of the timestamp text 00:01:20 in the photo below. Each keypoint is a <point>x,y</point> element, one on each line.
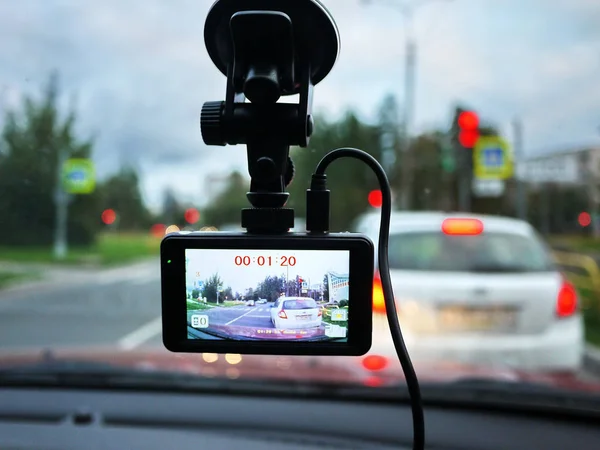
<point>264,260</point>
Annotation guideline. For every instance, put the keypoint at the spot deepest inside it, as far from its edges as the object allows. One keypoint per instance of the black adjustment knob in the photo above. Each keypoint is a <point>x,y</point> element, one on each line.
<point>210,123</point>
<point>290,171</point>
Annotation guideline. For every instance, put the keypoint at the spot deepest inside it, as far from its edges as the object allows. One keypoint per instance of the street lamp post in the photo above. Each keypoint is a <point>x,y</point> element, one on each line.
<point>410,56</point>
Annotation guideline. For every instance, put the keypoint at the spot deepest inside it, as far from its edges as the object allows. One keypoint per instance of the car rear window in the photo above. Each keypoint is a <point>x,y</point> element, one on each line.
<point>489,252</point>
<point>299,304</point>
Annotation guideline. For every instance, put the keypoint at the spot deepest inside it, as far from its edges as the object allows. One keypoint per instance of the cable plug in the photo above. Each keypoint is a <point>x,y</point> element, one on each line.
<point>317,205</point>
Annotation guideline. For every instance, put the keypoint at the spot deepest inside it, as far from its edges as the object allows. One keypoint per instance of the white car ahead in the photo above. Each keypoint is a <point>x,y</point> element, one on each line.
<point>477,289</point>
<point>295,313</point>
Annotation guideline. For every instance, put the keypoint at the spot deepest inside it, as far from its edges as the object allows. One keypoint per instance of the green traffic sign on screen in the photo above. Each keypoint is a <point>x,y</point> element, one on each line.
<point>79,176</point>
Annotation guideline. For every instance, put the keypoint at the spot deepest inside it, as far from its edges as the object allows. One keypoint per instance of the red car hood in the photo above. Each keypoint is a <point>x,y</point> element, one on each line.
<point>372,370</point>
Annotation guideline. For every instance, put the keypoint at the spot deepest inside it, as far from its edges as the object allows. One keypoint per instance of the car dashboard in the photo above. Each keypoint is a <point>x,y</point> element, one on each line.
<point>110,419</point>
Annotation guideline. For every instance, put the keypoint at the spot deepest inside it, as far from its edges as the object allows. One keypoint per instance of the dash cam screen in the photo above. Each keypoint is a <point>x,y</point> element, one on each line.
<point>295,295</point>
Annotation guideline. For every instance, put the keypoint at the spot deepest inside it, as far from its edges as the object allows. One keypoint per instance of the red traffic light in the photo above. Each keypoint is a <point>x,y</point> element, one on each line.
<point>468,120</point>
<point>109,216</point>
<point>192,215</point>
<point>468,124</point>
<point>468,138</point>
<point>375,199</point>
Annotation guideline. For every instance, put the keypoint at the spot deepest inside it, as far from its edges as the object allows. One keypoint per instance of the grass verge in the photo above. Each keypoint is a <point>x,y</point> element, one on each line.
<point>8,278</point>
<point>591,316</point>
<point>195,306</point>
<point>584,244</point>
<point>110,249</point>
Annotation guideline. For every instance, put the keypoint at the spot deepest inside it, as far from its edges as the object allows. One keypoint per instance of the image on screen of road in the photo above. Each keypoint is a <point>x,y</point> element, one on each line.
<point>267,294</point>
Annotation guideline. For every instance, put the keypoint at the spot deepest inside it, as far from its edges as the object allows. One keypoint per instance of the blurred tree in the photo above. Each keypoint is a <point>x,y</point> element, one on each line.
<point>195,293</point>
<point>349,180</point>
<point>291,288</point>
<point>32,139</point>
<point>121,192</point>
<point>227,207</point>
<point>430,187</point>
<point>211,286</point>
<point>227,294</point>
<point>326,287</point>
<point>270,288</point>
<point>172,212</point>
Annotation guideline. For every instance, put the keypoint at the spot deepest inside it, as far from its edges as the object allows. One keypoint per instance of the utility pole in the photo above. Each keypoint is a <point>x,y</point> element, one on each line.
<point>410,58</point>
<point>61,201</point>
<point>522,194</point>
<point>406,159</point>
<point>465,177</point>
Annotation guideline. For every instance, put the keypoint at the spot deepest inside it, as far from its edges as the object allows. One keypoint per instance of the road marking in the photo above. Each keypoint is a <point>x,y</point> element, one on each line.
<point>239,317</point>
<point>141,335</point>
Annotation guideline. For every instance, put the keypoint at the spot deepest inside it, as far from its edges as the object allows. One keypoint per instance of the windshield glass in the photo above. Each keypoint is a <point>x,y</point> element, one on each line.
<point>299,304</point>
<point>476,109</point>
<point>492,252</point>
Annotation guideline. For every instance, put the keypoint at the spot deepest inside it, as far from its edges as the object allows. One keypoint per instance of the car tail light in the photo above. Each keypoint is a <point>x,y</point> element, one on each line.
<point>320,313</point>
<point>378,300</point>
<point>374,362</point>
<point>566,303</point>
<point>282,314</point>
<point>462,227</point>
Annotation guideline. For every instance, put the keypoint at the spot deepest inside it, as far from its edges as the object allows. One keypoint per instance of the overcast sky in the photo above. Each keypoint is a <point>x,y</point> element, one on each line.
<point>311,265</point>
<point>140,73</point>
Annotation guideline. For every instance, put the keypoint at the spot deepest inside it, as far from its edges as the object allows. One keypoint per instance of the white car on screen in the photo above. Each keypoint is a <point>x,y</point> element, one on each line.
<point>477,289</point>
<point>293,313</point>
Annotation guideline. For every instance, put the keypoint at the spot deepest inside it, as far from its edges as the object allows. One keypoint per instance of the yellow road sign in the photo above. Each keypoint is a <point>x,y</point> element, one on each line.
<point>492,159</point>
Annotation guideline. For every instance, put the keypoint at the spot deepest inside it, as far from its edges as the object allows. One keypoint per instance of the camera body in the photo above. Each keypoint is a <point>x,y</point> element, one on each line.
<point>291,294</point>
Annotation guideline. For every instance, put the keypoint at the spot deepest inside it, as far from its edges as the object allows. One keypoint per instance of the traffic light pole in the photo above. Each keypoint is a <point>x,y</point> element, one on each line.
<point>406,160</point>
<point>464,179</point>
<point>519,157</point>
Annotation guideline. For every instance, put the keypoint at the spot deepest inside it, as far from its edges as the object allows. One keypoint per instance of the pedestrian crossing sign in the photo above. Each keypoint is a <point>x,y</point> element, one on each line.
<point>492,159</point>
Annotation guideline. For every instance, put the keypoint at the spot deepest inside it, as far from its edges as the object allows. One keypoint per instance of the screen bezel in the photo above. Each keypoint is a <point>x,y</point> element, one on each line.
<point>173,287</point>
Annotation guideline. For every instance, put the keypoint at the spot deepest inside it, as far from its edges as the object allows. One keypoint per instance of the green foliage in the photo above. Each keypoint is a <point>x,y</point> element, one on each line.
<point>270,288</point>
<point>32,139</point>
<point>121,192</point>
<point>343,303</point>
<point>211,286</point>
<point>227,206</point>
<point>326,288</point>
<point>195,293</point>
<point>349,180</point>
<point>226,294</point>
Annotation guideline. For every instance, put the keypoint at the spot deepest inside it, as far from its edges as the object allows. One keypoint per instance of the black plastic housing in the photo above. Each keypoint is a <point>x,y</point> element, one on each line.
<point>174,309</point>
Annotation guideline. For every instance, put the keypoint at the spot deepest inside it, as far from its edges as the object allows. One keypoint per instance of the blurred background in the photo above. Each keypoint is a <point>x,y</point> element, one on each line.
<point>474,106</point>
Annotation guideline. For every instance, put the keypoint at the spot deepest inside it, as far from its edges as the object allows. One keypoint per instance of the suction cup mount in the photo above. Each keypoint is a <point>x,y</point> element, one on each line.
<point>267,49</point>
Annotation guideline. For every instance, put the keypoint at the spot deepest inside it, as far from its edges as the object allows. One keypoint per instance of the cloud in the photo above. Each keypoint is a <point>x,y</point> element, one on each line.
<point>141,73</point>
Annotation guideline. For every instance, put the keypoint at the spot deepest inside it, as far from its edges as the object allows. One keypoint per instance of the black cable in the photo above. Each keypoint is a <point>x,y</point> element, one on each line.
<point>318,185</point>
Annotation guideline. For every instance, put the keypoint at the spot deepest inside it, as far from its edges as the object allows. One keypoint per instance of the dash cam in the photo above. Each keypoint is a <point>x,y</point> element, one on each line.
<point>268,291</point>
<point>292,294</point>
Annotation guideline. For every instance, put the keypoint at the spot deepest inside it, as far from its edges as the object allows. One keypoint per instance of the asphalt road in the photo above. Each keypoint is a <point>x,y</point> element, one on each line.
<point>258,316</point>
<point>109,308</point>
